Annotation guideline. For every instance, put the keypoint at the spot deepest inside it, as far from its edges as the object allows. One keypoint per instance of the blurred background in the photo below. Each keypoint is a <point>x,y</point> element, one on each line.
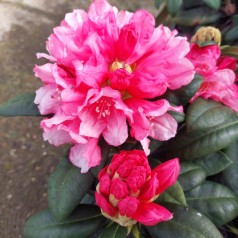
<point>25,160</point>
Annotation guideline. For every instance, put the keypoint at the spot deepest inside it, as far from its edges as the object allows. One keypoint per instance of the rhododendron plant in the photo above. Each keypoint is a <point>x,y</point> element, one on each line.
<point>218,72</point>
<point>127,188</point>
<point>105,66</point>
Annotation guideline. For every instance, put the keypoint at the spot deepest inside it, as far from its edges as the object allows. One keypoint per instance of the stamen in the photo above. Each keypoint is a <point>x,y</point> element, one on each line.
<point>103,107</point>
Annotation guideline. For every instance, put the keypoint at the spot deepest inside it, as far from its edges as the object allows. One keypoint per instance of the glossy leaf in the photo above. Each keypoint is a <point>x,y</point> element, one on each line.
<point>178,116</point>
<point>214,200</point>
<point>158,3</point>
<point>184,94</point>
<point>214,163</point>
<point>186,223</point>
<point>216,4</point>
<point>173,194</point>
<point>85,221</point>
<point>114,231</point>
<point>191,176</point>
<point>21,105</point>
<point>230,175</point>
<point>173,6</point>
<point>67,187</point>
<point>210,127</point>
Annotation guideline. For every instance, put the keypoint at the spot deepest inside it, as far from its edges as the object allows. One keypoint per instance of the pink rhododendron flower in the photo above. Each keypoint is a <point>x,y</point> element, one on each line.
<point>105,65</point>
<point>219,78</point>
<point>127,188</point>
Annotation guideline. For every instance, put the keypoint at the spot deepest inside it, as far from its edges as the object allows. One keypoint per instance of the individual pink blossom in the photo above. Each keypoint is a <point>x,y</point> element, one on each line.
<point>218,72</point>
<point>127,188</point>
<point>103,63</point>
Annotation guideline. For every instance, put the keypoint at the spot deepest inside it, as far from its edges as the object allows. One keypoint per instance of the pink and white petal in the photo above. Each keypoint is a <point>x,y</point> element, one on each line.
<point>103,203</point>
<point>116,131</point>
<point>163,127</point>
<point>56,137</point>
<point>48,102</point>
<point>44,72</point>
<point>123,18</point>
<point>86,156</point>
<point>145,143</point>
<point>167,174</point>
<point>149,214</point>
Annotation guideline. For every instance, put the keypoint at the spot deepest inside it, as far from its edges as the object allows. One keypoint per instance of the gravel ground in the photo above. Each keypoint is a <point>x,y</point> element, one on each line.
<point>26,161</point>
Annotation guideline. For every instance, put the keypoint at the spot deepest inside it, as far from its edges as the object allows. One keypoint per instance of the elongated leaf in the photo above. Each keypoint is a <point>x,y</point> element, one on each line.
<point>216,4</point>
<point>230,175</point>
<point>207,114</point>
<point>186,223</point>
<point>22,105</point>
<point>114,231</point>
<point>214,163</point>
<point>215,201</point>
<point>197,16</point>
<point>173,194</point>
<point>85,221</point>
<point>178,116</point>
<point>231,35</point>
<point>191,176</point>
<point>157,3</point>
<point>184,94</point>
<point>173,6</point>
<point>205,133</point>
<point>67,186</point>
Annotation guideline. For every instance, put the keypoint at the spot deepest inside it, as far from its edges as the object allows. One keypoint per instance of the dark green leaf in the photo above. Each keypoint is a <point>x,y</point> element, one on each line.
<point>184,94</point>
<point>67,186</point>
<point>186,223</point>
<point>210,127</point>
<point>214,163</point>
<point>230,175</point>
<point>85,221</point>
<point>197,16</point>
<point>216,4</point>
<point>215,201</point>
<point>154,145</point>
<point>231,35</point>
<point>22,105</point>
<point>158,3</point>
<point>173,194</point>
<point>173,6</point>
<point>206,43</point>
<point>191,176</point>
<point>203,115</point>
<point>178,116</point>
<point>114,231</point>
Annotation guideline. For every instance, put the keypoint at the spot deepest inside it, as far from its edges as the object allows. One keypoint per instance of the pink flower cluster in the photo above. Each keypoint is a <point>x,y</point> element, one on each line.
<point>127,188</point>
<point>218,72</point>
<point>105,67</point>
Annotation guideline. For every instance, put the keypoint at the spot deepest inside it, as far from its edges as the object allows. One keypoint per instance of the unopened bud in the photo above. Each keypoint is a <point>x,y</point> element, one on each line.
<point>206,34</point>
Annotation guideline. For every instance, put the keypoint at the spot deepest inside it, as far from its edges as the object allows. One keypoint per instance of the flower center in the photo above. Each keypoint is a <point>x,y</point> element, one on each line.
<point>120,65</point>
<point>103,107</point>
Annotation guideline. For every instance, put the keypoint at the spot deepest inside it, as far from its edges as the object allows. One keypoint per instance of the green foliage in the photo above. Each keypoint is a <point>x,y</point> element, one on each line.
<point>114,231</point>
<point>230,175</point>
<point>210,127</point>
<point>191,176</point>
<point>173,194</point>
<point>214,163</point>
<point>21,105</point>
<point>186,222</point>
<point>85,221</point>
<point>230,51</point>
<point>215,201</point>
<point>66,188</point>
<point>216,4</point>
<point>173,6</point>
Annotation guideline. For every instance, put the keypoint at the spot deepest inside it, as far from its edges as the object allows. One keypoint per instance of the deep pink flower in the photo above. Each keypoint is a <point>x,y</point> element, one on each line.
<point>219,77</point>
<point>127,188</point>
<point>100,62</point>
